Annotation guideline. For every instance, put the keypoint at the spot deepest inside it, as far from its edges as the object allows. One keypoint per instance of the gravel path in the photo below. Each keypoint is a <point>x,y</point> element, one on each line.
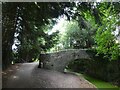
<point>27,75</point>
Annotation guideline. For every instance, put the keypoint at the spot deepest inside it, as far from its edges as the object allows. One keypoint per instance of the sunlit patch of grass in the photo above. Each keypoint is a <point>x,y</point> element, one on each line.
<point>99,83</point>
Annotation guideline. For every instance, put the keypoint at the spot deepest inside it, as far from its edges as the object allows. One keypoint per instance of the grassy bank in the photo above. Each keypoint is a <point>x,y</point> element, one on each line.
<point>99,83</point>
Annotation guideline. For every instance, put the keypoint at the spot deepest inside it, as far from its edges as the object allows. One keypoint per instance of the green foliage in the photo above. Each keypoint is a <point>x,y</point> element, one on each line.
<point>98,68</point>
<point>76,37</point>
<point>71,33</point>
<point>99,83</point>
<point>93,25</point>
<point>29,21</point>
<point>105,37</point>
<point>8,29</point>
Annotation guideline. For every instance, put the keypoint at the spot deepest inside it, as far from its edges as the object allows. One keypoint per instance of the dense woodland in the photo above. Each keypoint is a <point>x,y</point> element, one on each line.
<point>94,26</point>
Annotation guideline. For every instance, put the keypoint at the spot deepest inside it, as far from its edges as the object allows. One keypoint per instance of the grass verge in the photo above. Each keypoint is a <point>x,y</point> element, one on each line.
<point>101,85</point>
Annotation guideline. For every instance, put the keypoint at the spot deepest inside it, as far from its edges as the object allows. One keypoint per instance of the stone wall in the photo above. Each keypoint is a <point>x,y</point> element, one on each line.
<point>59,60</point>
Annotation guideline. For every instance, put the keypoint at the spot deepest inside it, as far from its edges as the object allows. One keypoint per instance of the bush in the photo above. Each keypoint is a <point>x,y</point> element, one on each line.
<point>99,67</point>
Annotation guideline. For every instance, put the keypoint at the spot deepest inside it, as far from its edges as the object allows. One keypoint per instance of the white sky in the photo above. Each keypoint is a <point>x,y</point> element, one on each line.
<point>59,26</point>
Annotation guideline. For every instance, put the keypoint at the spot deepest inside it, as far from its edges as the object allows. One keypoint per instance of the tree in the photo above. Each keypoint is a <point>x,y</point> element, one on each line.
<point>24,22</point>
<point>74,36</point>
<point>9,20</point>
<point>105,37</point>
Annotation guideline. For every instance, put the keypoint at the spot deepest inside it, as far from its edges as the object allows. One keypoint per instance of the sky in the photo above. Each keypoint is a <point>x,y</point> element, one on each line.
<point>59,26</point>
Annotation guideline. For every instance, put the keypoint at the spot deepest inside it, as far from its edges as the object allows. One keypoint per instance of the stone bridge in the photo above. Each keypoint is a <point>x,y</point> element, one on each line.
<point>59,60</point>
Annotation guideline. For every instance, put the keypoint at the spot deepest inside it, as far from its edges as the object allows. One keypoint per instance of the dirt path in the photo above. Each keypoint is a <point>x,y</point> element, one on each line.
<point>27,75</point>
